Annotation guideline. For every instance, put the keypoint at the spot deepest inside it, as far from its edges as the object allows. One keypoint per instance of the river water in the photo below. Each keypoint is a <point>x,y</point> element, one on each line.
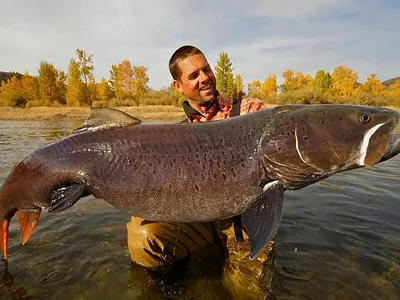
<point>339,239</point>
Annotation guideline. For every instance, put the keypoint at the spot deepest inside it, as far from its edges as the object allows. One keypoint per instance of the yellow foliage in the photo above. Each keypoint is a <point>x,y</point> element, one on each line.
<point>103,91</point>
<point>295,81</point>
<point>26,89</point>
<point>344,80</point>
<point>268,87</point>
<point>129,82</point>
<point>238,86</point>
<point>395,89</point>
<point>372,86</point>
<point>254,88</point>
<point>48,89</point>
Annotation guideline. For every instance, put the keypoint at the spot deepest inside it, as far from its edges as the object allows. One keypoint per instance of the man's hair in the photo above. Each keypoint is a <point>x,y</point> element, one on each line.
<point>180,54</point>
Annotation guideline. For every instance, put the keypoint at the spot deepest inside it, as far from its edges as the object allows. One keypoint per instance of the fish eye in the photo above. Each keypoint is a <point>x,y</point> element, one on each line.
<point>365,118</point>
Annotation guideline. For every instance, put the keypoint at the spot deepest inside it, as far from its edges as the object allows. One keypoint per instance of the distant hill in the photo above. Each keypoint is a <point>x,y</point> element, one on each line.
<point>386,83</point>
<point>389,82</point>
<point>4,76</point>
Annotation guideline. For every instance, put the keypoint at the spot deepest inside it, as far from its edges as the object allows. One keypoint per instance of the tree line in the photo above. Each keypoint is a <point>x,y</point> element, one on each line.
<point>128,86</point>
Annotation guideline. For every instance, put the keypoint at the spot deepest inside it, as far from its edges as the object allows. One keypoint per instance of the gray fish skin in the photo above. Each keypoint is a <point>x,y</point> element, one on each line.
<point>203,172</point>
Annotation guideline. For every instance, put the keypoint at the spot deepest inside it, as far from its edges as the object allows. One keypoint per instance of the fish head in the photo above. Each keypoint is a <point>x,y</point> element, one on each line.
<point>304,144</point>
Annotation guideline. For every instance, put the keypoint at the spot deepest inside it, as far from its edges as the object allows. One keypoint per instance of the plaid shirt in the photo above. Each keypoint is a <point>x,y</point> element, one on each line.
<point>220,108</point>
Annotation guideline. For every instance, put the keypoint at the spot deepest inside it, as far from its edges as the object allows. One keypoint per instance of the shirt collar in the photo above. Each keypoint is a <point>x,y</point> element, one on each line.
<point>189,111</point>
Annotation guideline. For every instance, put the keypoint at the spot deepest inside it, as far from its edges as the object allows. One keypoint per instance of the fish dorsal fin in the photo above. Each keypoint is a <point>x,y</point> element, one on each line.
<point>106,118</point>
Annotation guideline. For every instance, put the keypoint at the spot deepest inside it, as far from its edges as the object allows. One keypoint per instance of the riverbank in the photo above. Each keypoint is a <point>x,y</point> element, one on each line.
<point>145,113</point>
<point>149,113</point>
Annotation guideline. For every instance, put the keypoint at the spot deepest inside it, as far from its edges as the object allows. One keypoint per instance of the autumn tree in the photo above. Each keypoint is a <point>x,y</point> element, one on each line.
<point>76,92</point>
<point>86,68</point>
<point>5,76</point>
<point>224,76</point>
<point>140,81</point>
<point>85,64</point>
<point>11,93</point>
<point>61,83</point>
<point>48,89</point>
<point>128,82</point>
<point>114,79</point>
<point>294,81</point>
<point>104,91</point>
<point>122,80</point>
<point>372,85</point>
<point>268,87</point>
<point>344,81</point>
<point>254,88</point>
<point>394,89</point>
<point>238,86</point>
<point>322,82</point>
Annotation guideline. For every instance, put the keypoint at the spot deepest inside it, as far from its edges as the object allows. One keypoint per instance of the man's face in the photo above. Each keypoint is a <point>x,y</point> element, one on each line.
<point>197,81</point>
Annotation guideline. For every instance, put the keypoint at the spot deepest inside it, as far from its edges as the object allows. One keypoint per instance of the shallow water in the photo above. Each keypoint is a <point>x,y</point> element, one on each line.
<point>339,239</point>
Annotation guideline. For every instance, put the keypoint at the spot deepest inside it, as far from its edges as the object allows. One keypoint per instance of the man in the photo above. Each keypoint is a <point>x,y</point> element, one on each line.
<point>160,246</point>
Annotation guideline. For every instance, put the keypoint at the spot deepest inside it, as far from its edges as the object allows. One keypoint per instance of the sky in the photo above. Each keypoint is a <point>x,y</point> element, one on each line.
<point>261,37</point>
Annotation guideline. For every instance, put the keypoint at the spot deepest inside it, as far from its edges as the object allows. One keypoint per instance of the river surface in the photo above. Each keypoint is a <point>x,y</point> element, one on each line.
<point>339,239</point>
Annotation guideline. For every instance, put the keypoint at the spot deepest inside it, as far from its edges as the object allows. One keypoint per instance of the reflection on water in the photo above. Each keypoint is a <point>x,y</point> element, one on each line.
<point>339,239</point>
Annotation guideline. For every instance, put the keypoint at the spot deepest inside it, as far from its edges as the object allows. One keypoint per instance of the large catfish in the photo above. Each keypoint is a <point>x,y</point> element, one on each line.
<point>198,172</point>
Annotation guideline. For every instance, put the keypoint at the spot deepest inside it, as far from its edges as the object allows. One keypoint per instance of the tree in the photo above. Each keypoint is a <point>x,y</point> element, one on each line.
<point>294,81</point>
<point>268,87</point>
<point>224,76</point>
<point>238,86</point>
<point>122,80</point>
<point>254,88</point>
<point>85,64</point>
<point>76,90</point>
<point>128,82</point>
<point>395,89</point>
<point>48,90</point>
<point>86,68</point>
<point>11,85</point>
<point>11,93</point>
<point>140,82</point>
<point>344,80</point>
<point>61,83</point>
<point>104,91</point>
<point>322,82</point>
<point>372,85</point>
<point>5,76</point>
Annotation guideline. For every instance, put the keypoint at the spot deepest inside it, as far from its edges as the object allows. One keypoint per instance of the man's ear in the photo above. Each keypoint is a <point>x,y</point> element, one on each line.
<point>177,85</point>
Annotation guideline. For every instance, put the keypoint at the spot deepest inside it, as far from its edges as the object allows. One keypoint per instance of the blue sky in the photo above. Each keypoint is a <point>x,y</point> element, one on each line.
<point>261,37</point>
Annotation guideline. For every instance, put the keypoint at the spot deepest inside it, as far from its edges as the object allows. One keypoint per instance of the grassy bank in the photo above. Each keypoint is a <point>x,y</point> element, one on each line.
<point>145,113</point>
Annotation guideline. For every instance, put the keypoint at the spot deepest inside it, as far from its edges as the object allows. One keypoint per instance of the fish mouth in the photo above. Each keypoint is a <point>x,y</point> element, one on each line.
<point>27,219</point>
<point>393,148</point>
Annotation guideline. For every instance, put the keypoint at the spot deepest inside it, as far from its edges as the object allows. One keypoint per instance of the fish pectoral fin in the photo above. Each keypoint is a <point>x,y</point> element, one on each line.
<point>66,196</point>
<point>262,218</point>
<point>106,118</point>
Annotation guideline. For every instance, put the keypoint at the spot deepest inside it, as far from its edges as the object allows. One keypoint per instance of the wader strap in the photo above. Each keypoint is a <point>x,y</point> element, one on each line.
<point>235,111</point>
<point>237,220</point>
